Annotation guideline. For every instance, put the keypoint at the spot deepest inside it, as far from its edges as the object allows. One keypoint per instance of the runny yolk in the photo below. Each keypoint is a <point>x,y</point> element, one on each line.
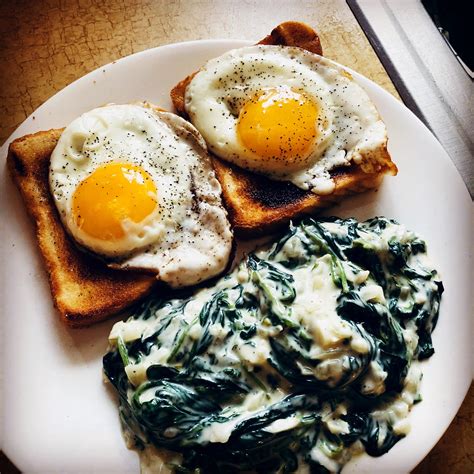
<point>279,123</point>
<point>113,193</point>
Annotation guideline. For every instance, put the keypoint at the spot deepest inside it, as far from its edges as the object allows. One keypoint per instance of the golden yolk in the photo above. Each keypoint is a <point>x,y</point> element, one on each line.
<point>279,123</point>
<point>113,193</point>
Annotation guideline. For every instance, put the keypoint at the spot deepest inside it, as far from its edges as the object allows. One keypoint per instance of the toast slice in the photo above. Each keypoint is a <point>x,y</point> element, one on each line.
<point>257,204</point>
<point>84,289</point>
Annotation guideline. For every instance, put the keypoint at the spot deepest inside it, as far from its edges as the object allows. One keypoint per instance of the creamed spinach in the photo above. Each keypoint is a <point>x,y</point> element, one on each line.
<point>304,355</point>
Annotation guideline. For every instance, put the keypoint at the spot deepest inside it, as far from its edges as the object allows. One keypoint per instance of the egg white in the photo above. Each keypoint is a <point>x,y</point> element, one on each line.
<point>187,239</point>
<point>350,128</point>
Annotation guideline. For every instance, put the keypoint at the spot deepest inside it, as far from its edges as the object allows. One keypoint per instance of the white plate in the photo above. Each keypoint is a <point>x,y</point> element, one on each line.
<point>59,417</point>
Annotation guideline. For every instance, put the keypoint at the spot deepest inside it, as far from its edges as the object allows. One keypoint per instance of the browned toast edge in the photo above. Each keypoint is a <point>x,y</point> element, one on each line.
<point>84,289</point>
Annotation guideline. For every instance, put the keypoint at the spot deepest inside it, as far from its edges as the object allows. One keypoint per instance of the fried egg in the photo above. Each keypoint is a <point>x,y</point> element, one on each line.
<point>286,113</point>
<point>136,187</point>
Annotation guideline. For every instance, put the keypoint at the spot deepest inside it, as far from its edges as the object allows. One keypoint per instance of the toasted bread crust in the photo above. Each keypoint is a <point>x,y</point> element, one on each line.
<point>177,95</point>
<point>84,289</point>
<point>294,33</point>
<point>257,204</point>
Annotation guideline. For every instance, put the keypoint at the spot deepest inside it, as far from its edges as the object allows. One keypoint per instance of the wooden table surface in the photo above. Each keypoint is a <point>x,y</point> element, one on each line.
<point>45,45</point>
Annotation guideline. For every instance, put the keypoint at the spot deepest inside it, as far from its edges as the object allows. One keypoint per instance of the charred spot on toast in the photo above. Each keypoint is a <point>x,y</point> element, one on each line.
<point>17,164</point>
<point>273,194</point>
<point>261,190</point>
<point>277,194</point>
<point>342,170</point>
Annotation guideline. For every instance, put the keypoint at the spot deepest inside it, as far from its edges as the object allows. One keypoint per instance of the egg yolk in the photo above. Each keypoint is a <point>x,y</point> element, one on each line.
<point>112,194</point>
<point>279,123</point>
